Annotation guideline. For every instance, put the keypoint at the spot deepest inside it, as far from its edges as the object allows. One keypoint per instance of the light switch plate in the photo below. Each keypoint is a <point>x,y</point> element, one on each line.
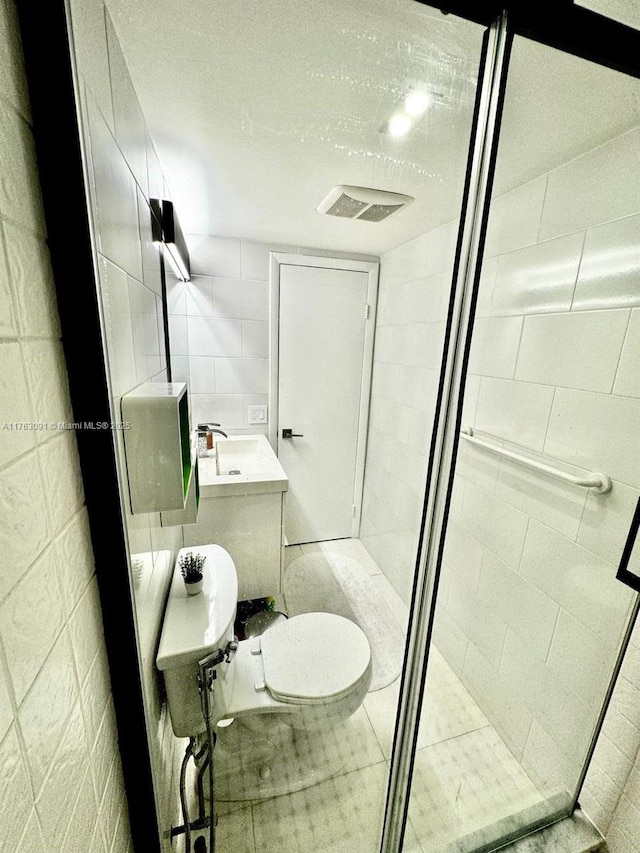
<point>257,415</point>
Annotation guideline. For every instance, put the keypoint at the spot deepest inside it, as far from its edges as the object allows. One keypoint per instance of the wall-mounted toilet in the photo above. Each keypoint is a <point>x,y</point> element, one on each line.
<point>310,670</point>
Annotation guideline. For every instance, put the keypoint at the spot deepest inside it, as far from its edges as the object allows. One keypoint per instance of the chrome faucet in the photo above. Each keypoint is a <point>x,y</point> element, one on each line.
<point>205,437</point>
<point>203,429</point>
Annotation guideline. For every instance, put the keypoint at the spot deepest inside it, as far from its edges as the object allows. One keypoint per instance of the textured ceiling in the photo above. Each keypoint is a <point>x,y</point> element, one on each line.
<point>258,109</point>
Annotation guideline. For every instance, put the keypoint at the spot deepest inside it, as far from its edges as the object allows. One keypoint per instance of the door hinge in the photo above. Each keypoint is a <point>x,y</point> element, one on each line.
<point>367,311</point>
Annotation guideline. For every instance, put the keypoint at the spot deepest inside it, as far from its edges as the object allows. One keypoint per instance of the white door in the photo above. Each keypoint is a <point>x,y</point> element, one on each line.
<point>321,349</point>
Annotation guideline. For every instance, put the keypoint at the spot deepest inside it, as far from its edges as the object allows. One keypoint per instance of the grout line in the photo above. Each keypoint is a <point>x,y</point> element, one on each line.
<point>546,432</point>
<point>553,633</point>
<point>518,568</point>
<point>458,736</point>
<point>624,341</point>
<point>542,207</point>
<point>575,283</point>
<point>515,364</point>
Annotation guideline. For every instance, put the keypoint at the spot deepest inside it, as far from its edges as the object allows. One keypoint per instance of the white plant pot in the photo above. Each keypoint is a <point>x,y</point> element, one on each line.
<point>194,588</point>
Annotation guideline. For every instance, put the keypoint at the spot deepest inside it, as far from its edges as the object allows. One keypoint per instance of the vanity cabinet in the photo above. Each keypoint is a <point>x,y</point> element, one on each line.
<point>249,527</point>
<point>243,511</point>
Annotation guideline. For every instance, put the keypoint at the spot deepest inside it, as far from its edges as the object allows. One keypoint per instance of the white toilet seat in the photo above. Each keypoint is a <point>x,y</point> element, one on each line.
<point>287,659</point>
<point>314,658</point>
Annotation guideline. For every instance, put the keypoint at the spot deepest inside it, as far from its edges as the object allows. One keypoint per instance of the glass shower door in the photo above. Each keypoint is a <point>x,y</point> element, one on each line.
<point>530,620</point>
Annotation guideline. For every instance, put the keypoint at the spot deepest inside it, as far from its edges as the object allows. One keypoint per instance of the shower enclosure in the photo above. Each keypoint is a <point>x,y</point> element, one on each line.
<point>528,502</point>
<point>501,468</point>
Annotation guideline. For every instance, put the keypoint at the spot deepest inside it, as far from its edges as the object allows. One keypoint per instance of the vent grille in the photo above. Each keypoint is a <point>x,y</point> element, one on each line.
<point>378,212</point>
<point>372,205</point>
<point>347,207</point>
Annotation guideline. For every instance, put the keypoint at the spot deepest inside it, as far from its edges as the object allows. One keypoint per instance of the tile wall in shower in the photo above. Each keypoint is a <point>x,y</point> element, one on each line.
<point>551,370</point>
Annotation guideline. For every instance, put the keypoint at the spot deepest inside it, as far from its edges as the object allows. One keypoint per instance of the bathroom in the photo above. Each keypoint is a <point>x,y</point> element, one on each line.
<point>553,355</point>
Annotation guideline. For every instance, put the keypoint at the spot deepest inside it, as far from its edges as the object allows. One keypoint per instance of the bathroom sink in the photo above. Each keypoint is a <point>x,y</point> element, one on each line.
<point>241,464</point>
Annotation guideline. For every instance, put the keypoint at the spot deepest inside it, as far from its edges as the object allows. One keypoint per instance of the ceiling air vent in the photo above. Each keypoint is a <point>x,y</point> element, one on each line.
<point>362,203</point>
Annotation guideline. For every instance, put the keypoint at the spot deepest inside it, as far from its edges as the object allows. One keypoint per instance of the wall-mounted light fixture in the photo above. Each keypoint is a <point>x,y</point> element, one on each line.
<point>168,237</point>
<point>156,222</point>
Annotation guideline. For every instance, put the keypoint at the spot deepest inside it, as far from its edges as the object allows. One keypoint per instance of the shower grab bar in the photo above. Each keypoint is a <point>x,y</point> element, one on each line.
<point>600,482</point>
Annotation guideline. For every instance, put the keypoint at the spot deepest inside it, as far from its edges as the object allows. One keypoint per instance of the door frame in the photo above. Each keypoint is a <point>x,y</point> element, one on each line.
<point>278,259</point>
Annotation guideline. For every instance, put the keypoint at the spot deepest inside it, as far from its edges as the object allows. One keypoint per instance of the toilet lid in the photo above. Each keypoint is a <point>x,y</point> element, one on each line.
<point>314,657</point>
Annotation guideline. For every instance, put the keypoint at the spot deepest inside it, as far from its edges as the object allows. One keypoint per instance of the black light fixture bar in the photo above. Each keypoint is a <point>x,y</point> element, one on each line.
<point>156,221</point>
<point>177,253</point>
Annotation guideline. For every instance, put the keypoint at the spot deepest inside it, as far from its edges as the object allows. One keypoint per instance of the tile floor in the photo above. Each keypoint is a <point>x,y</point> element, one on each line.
<point>465,781</point>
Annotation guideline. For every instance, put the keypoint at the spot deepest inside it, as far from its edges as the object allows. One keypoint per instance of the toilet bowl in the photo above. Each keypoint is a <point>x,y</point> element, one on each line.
<point>310,670</point>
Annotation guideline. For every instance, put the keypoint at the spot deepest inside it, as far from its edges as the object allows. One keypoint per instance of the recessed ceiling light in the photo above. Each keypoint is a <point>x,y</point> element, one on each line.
<point>417,102</point>
<point>399,125</point>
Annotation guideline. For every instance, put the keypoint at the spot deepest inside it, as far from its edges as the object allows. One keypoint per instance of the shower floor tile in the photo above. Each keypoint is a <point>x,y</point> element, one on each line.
<point>346,547</point>
<point>451,714</point>
<point>464,785</point>
<point>253,766</point>
<point>396,604</point>
<point>291,553</point>
<point>234,832</point>
<point>341,815</point>
<point>352,548</point>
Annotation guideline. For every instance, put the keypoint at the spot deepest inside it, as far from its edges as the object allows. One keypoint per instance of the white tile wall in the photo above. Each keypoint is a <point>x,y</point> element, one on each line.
<point>29,269</point>
<point>578,351</point>
<point>211,337</point>
<point>581,428</point>
<point>118,326</point>
<point>539,278</point>
<point>506,233</point>
<point>228,298</point>
<point>555,503</point>
<point>129,124</point>
<point>255,339</point>
<point>28,642</point>
<point>46,373</point>
<point>515,411</point>
<point>527,610</point>
<point>219,328</point>
<point>219,256</point>
<point>116,203</point>
<point>20,198</point>
<point>627,381</point>
<point>198,296</point>
<point>14,403</point>
<point>609,267</point>
<point>412,304</point>
<point>497,525</point>
<point>494,348</point>
<point>595,188</point>
<point>47,732</point>
<point>242,375</point>
<point>553,371</point>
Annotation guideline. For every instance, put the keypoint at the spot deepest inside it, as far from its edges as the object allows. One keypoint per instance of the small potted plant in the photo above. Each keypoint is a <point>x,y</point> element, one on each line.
<point>191,567</point>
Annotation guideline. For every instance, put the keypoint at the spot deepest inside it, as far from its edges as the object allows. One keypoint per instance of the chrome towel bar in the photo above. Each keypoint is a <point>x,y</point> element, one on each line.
<point>600,482</point>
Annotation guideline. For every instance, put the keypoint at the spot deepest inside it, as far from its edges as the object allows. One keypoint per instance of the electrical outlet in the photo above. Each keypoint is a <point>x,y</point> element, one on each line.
<point>257,414</point>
